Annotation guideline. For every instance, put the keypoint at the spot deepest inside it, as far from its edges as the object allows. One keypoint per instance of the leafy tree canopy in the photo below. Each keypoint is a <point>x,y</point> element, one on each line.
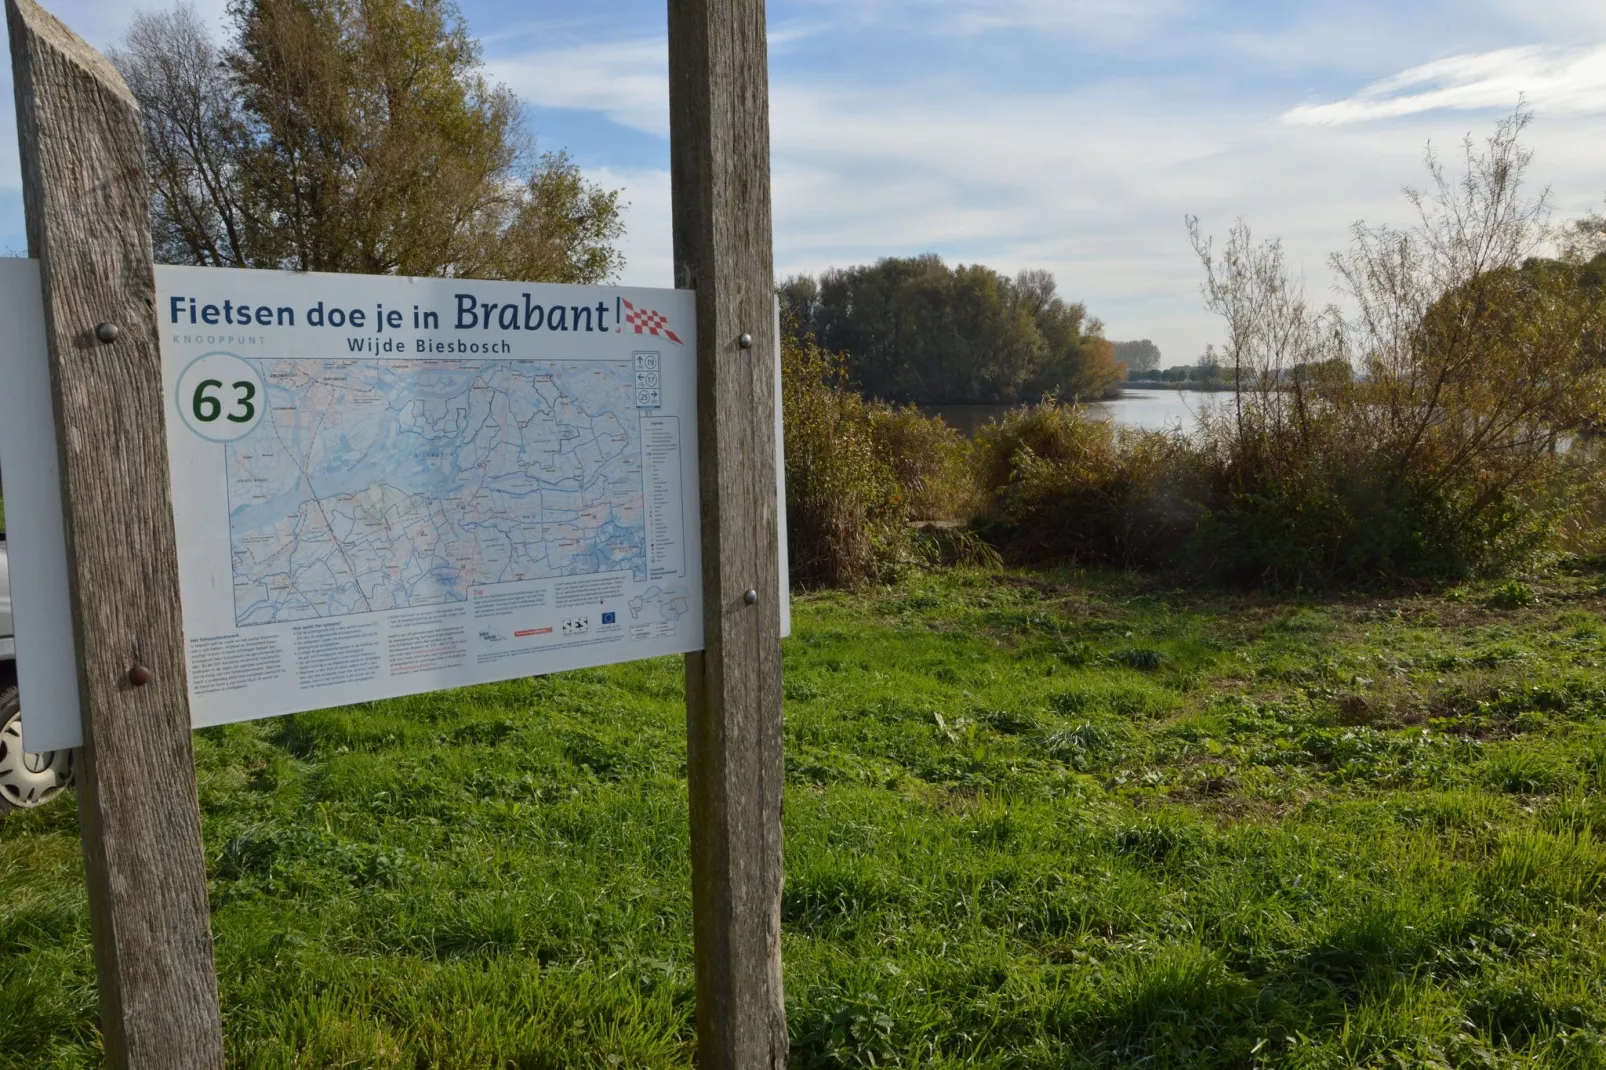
<point>1140,356</point>
<point>352,135</point>
<point>918,330</point>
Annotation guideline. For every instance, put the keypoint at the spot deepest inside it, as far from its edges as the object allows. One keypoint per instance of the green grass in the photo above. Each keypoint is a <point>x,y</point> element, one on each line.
<point>1032,820</point>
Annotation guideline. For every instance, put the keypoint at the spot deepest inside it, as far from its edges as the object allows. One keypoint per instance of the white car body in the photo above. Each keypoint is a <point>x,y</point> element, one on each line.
<point>8,642</point>
<point>26,780</point>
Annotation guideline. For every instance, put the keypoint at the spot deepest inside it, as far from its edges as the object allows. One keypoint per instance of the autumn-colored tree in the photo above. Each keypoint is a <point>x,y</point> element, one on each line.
<point>1422,430</point>
<point>353,135</point>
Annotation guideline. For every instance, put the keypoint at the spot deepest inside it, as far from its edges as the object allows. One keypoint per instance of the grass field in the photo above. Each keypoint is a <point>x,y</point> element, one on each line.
<point>1033,820</point>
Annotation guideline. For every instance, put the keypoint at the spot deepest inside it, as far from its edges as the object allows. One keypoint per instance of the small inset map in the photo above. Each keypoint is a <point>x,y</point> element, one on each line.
<point>666,604</point>
<point>380,484</point>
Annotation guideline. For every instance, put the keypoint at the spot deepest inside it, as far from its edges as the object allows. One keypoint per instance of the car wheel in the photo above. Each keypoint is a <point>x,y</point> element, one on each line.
<point>27,780</point>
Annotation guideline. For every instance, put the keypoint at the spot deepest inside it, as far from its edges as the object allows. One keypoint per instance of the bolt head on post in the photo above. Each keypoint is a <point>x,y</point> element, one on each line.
<point>107,333</point>
<point>745,341</point>
<point>751,597</point>
<point>139,676</point>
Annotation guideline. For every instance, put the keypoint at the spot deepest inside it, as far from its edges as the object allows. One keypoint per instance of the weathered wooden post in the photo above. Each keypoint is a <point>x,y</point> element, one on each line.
<point>720,159</point>
<point>87,202</point>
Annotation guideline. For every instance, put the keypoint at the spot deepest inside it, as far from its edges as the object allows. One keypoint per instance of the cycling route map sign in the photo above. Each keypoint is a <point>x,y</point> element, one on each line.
<point>384,486</point>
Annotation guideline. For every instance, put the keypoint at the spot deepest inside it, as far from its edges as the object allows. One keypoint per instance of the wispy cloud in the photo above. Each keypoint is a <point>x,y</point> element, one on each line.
<point>1106,19</point>
<point>1094,20</point>
<point>1556,80</point>
<point>628,80</point>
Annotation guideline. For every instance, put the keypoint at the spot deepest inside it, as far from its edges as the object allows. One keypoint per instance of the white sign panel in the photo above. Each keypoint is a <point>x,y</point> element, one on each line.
<point>384,486</point>
<point>47,675</point>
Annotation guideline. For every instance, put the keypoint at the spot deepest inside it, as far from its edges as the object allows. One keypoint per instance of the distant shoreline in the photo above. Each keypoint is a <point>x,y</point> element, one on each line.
<point>1203,388</point>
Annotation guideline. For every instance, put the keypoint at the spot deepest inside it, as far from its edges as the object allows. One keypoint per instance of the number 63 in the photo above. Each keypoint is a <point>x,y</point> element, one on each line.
<point>208,408</point>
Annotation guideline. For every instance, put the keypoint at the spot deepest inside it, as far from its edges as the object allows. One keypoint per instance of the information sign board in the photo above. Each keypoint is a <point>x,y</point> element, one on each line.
<point>384,486</point>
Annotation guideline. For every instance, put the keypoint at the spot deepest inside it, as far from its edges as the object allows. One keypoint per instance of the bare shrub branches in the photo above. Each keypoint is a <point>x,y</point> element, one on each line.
<point>1422,428</point>
<point>194,133</point>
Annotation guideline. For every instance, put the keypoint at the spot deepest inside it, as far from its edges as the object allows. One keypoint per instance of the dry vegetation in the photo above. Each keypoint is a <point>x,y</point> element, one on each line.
<point>1440,427</point>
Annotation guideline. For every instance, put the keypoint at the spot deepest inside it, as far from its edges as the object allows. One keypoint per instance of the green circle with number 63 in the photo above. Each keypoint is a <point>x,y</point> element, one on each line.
<point>221,396</point>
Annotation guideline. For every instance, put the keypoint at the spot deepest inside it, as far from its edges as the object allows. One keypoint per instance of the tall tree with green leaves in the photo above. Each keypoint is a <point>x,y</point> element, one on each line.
<point>915,329</point>
<point>353,135</point>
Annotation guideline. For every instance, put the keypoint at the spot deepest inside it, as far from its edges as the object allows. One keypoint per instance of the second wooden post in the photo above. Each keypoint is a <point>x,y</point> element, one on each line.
<point>720,158</point>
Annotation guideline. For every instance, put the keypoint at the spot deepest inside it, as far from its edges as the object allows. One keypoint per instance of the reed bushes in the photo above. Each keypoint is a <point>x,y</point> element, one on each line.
<point>932,463</point>
<point>1064,485</point>
<point>1429,430</point>
<point>843,505</point>
<point>1425,431</point>
<point>858,472</point>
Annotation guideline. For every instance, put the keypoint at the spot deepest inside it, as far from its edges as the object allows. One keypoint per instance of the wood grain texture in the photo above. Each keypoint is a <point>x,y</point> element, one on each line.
<point>720,154</point>
<point>86,195</point>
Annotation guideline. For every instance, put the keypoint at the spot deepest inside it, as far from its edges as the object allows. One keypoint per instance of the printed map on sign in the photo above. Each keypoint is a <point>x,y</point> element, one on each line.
<point>671,604</point>
<point>382,484</point>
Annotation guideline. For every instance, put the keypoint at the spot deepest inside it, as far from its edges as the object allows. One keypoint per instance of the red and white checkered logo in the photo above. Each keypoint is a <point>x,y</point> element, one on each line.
<point>647,321</point>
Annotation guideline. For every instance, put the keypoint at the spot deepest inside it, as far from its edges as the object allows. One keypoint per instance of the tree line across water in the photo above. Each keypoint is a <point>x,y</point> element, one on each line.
<point>915,330</point>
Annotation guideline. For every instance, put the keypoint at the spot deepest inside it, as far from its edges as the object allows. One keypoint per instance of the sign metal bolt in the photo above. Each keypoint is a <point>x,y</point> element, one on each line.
<point>139,676</point>
<point>750,597</point>
<point>107,333</point>
<point>745,341</point>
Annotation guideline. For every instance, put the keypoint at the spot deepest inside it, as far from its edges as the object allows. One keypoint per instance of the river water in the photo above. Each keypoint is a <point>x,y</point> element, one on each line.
<point>1160,410</point>
<point>1152,410</point>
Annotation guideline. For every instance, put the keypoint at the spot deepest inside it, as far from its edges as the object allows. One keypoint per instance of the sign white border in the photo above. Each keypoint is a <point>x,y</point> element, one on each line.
<point>36,539</point>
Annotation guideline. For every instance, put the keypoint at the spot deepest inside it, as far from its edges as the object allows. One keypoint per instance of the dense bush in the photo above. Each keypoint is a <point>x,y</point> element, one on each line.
<point>858,472</point>
<point>1583,529</point>
<point>844,508</point>
<point>933,464</point>
<point>1428,434</point>
<point>1063,484</point>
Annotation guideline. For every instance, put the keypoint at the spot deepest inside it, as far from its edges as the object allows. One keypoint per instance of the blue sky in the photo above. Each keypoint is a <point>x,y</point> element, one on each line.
<point>1072,135</point>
